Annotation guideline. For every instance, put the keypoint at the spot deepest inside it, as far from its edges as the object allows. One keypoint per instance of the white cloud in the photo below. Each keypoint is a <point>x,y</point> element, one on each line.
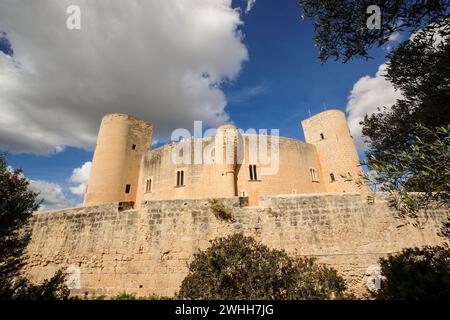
<point>52,195</point>
<point>162,61</point>
<point>368,94</point>
<point>250,4</point>
<point>80,176</point>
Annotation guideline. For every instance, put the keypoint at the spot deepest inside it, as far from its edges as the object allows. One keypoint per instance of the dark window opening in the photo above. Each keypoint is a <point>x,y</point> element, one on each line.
<point>133,147</point>
<point>332,178</point>
<point>148,187</point>
<point>252,171</point>
<point>128,188</point>
<point>180,178</point>
<point>322,136</point>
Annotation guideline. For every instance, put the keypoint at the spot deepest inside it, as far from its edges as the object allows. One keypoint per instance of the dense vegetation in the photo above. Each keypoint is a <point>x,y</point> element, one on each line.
<point>239,267</point>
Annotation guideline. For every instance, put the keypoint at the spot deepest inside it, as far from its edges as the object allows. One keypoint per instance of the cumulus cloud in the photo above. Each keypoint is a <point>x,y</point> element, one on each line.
<point>51,194</point>
<point>368,94</point>
<point>162,61</point>
<point>250,4</point>
<point>80,176</point>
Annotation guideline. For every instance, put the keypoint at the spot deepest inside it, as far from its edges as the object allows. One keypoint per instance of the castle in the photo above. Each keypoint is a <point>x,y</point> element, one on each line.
<point>124,169</point>
<point>146,214</point>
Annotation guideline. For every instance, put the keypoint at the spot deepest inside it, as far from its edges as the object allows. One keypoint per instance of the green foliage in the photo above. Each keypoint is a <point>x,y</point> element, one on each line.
<point>238,267</point>
<point>416,274</point>
<point>21,289</point>
<point>421,70</point>
<point>220,211</point>
<point>420,176</point>
<point>17,204</point>
<point>341,25</point>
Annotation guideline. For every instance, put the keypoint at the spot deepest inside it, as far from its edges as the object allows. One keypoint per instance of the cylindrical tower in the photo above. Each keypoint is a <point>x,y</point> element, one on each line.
<point>226,156</point>
<point>121,142</point>
<point>329,132</point>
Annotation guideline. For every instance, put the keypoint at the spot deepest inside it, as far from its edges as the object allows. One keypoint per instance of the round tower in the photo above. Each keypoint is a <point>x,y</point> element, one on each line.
<point>226,156</point>
<point>121,142</point>
<point>340,165</point>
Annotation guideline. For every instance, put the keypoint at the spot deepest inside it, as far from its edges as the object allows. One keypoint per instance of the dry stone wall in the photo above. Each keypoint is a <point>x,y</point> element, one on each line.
<point>147,251</point>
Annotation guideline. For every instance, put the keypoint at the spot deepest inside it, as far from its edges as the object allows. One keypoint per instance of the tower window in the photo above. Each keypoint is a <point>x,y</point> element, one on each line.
<point>133,147</point>
<point>148,186</point>
<point>332,178</point>
<point>180,178</point>
<point>314,175</point>
<point>322,136</point>
<point>252,172</point>
<point>128,188</point>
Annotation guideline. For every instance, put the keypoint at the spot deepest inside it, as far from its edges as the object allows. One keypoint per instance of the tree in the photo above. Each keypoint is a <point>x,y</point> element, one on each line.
<point>421,71</point>
<point>341,25</point>
<point>419,177</point>
<point>238,267</point>
<point>17,204</point>
<point>416,274</point>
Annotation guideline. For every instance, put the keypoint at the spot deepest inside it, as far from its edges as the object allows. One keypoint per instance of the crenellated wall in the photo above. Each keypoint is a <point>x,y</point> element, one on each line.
<point>148,250</point>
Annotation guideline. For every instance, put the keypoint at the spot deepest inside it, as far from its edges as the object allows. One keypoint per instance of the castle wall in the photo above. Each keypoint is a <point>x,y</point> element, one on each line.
<point>296,158</point>
<point>148,250</point>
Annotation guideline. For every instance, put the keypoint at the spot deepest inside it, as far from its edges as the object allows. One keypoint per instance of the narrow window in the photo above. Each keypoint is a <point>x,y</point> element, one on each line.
<point>180,178</point>
<point>148,187</point>
<point>322,136</point>
<point>128,188</point>
<point>253,174</point>
<point>332,178</point>
<point>133,147</point>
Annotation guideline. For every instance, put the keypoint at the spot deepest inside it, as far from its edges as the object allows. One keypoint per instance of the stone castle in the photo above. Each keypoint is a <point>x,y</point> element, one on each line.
<point>146,215</point>
<point>125,170</point>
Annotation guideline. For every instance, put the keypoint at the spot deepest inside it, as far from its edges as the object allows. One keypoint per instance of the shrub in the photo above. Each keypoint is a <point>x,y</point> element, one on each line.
<point>220,211</point>
<point>238,267</point>
<point>416,274</point>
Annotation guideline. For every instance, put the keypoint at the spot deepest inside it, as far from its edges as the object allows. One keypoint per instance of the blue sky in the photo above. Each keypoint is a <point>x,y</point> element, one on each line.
<point>280,83</point>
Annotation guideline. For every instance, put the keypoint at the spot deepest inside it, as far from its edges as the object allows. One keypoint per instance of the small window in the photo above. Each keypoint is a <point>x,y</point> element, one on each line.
<point>180,178</point>
<point>332,178</point>
<point>244,193</point>
<point>128,188</point>
<point>314,175</point>
<point>133,147</point>
<point>252,172</point>
<point>148,186</point>
<point>322,136</point>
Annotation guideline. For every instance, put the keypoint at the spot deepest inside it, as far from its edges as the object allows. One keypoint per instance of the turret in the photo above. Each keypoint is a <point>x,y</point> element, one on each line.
<point>121,142</point>
<point>227,139</point>
<point>329,132</point>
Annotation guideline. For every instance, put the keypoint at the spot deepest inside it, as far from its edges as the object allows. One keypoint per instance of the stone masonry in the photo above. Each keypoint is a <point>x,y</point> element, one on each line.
<point>147,251</point>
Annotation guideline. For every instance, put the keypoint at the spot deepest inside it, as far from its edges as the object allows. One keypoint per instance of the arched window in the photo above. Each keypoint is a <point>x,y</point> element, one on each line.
<point>332,178</point>
<point>252,172</point>
<point>322,136</point>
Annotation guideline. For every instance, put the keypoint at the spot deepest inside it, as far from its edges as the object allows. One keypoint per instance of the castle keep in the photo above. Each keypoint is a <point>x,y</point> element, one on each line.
<point>146,215</point>
<point>124,168</point>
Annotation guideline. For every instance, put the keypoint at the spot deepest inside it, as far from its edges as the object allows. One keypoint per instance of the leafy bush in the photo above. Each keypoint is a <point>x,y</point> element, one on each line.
<point>416,274</point>
<point>21,289</point>
<point>238,267</point>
